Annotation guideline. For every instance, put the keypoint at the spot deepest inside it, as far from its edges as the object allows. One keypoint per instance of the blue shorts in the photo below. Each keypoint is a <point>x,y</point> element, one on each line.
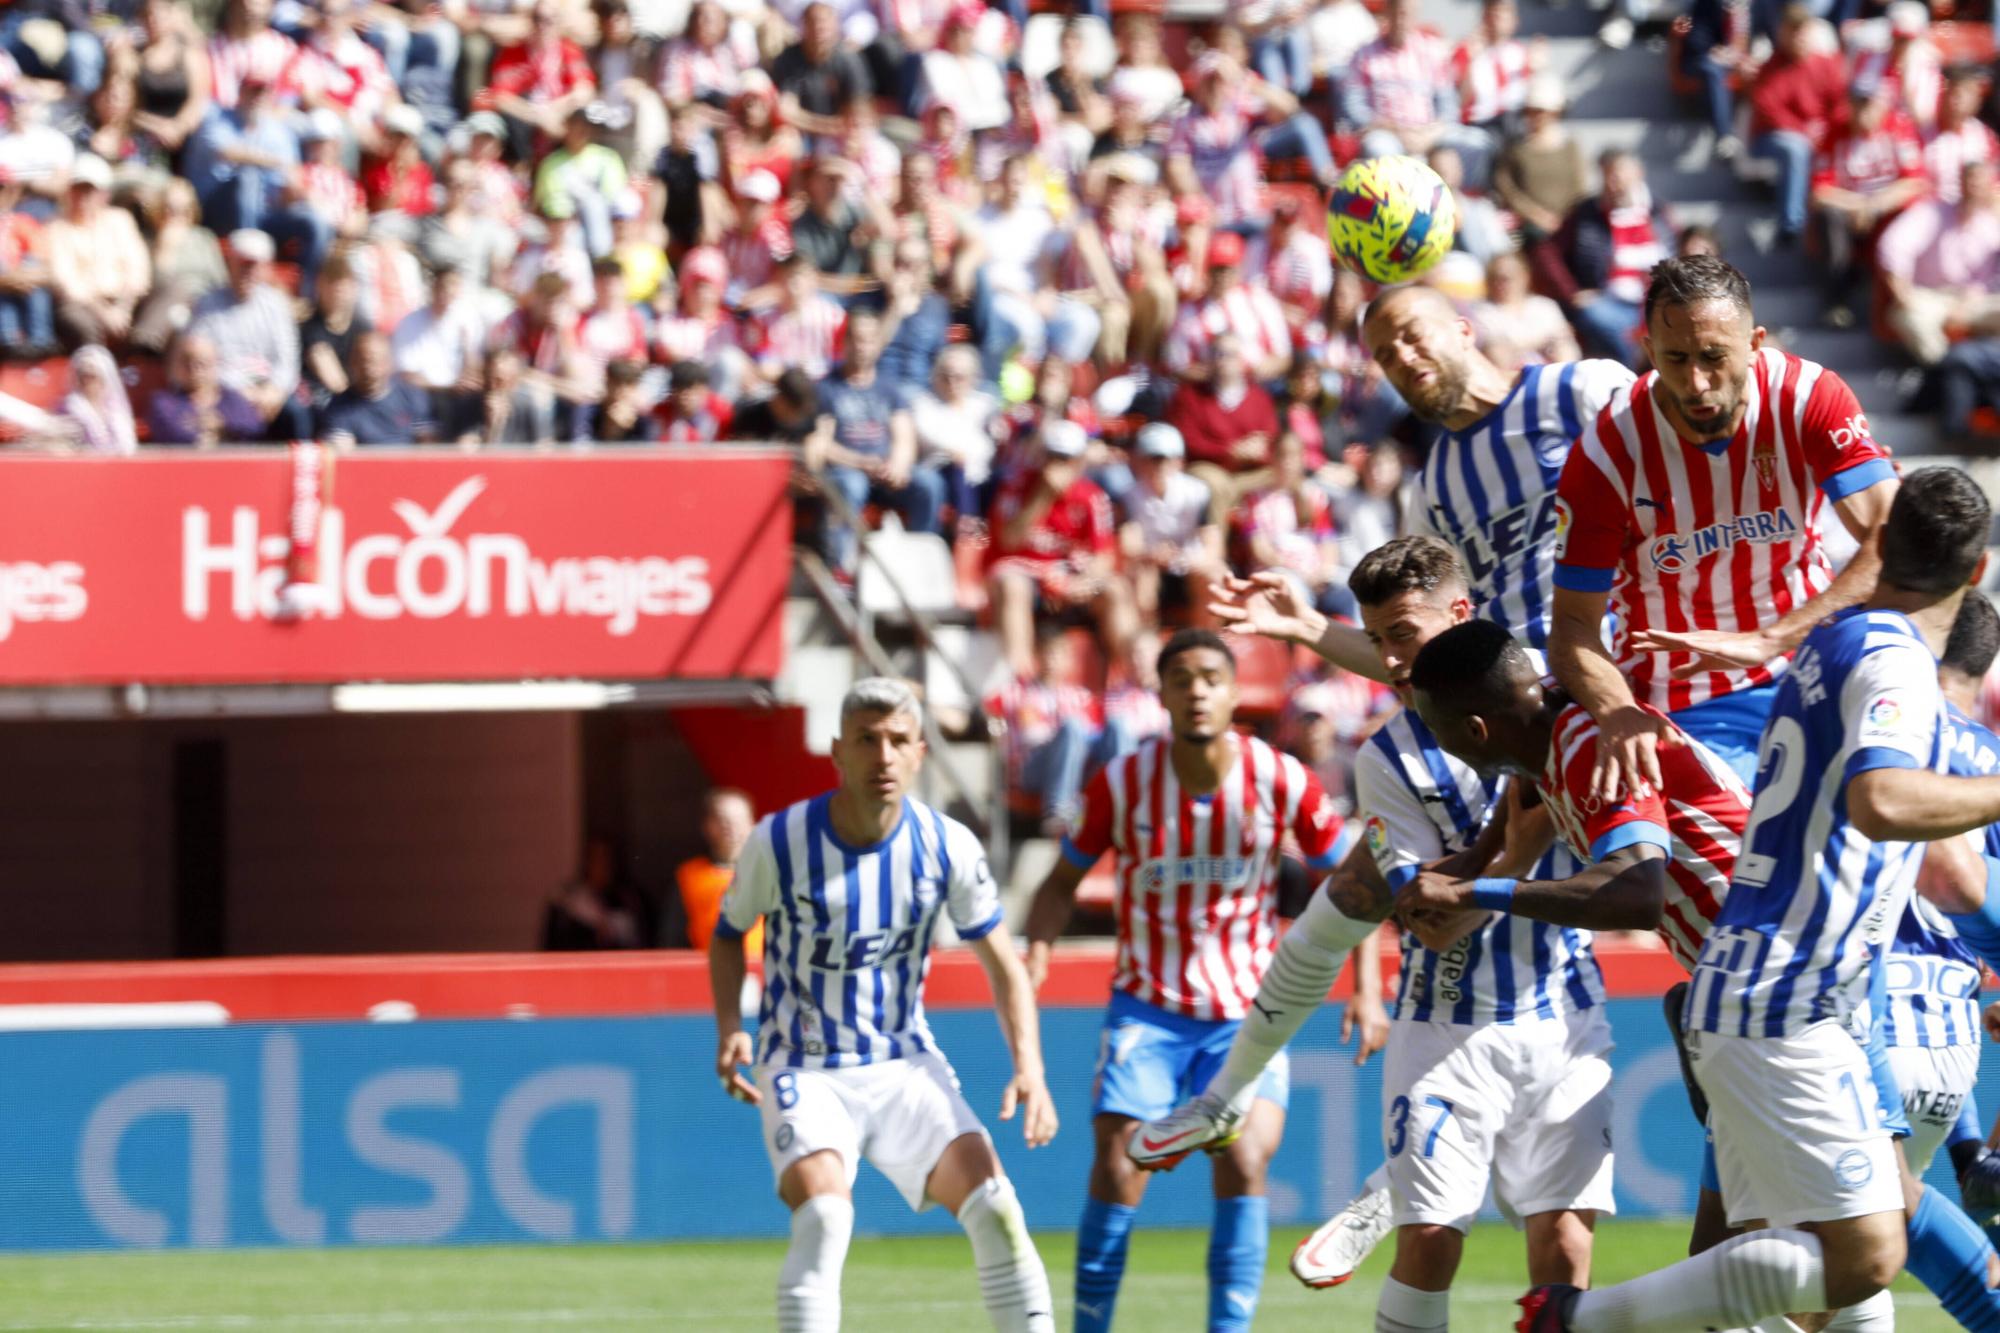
<point>1150,1061</point>
<point>1732,726</point>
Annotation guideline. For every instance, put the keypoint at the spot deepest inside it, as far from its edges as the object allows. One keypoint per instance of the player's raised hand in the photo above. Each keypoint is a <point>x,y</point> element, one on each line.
<point>1364,1016</point>
<point>1628,741</point>
<point>1030,1092</point>
<point>1714,650</point>
<point>734,1053</point>
<point>1269,604</point>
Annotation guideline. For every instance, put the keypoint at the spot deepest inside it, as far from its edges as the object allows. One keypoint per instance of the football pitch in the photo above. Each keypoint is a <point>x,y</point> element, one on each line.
<point>913,1284</point>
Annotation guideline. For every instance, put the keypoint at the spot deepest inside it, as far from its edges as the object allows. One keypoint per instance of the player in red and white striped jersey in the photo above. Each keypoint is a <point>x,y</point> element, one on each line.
<point>1694,504</point>
<point>1196,817</point>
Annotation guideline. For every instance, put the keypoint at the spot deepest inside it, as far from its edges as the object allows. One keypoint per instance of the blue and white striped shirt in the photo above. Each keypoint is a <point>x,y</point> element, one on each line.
<point>1931,977</point>
<point>847,932</point>
<point>1813,898</point>
<point>1418,804</point>
<point>1490,489</point>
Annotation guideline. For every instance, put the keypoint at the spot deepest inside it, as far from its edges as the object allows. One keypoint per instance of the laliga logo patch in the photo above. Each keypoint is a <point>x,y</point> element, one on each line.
<point>1884,712</point>
<point>1563,519</point>
<point>1670,555</point>
<point>1377,834</point>
<point>1854,1169</point>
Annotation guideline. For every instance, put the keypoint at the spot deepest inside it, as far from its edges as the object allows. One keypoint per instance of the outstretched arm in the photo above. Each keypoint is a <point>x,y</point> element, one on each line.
<point>1627,890</point>
<point>1014,998</point>
<point>1269,604</point>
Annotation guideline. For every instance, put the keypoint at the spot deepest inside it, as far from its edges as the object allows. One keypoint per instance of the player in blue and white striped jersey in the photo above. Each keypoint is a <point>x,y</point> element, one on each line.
<point>851,885</point>
<point>1851,798</point>
<point>1496,1071</point>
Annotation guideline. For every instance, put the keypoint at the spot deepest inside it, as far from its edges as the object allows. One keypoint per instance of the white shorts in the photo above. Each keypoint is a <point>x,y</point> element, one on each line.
<point>1934,1082</point>
<point>899,1114</point>
<point>1798,1134</point>
<point>1525,1107</point>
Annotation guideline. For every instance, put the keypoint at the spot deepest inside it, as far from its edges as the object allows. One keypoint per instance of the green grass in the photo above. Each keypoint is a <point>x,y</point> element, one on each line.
<point>921,1284</point>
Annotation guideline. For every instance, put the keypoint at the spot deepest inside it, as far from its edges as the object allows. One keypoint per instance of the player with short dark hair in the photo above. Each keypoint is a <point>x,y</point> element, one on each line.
<point>1196,817</point>
<point>850,885</point>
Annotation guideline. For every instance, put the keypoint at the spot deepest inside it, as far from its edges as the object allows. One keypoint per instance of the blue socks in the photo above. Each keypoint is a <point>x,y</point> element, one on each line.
<point>1948,1255</point>
<point>1100,1262</point>
<point>1236,1247</point>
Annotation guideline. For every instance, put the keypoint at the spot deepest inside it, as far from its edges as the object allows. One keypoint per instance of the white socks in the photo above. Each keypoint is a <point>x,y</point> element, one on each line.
<point>1737,1283</point>
<point>1403,1309</point>
<point>1011,1277</point>
<point>809,1282</point>
<point>1307,963</point>
<point>1877,1314</point>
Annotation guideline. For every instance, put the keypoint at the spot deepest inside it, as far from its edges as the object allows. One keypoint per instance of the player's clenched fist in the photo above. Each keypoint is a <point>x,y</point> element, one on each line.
<point>730,1058</point>
<point>1030,1092</point>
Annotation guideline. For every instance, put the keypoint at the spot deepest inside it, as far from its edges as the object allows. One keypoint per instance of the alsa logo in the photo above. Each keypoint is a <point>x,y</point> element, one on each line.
<point>429,572</point>
<point>31,592</point>
<point>1676,552</point>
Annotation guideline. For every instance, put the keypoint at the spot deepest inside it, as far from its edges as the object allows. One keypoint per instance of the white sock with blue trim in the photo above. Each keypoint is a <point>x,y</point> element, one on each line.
<point>809,1281</point>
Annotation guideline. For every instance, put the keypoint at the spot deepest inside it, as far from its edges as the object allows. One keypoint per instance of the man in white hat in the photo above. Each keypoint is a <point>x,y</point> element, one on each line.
<point>97,261</point>
<point>1171,548</point>
<point>255,335</point>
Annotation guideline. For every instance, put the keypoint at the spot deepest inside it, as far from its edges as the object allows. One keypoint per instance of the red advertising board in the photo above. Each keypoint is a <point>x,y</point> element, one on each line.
<point>637,564</point>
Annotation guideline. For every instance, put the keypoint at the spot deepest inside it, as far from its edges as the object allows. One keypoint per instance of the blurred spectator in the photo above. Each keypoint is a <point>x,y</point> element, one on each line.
<point>1942,266</point>
<point>832,232</point>
<point>1369,512</point>
<point>757,137</point>
<point>1518,327</point>
<point>542,330</point>
<point>1611,243</point>
<point>337,71</point>
<point>1872,168</point>
<point>1228,423</point>
<point>757,241</point>
<point>702,64</point>
<point>919,318</point>
<point>1301,407</point>
<point>186,265</point>
<point>816,76</point>
<point>953,420</point>
<point>243,163</point>
<point>1959,135</point>
<point>327,337</point>
<point>868,443</point>
<point>27,300</point>
<point>246,49</point>
<point>1077,84</point>
<point>95,411</point>
<point>582,178</point>
<point>397,179</point>
<point>1131,705</point>
<point>1143,75</point>
<point>376,407</point>
<point>699,329</point>
<point>504,409</point>
<point>1797,101</point>
<point>534,86</point>
<point>1399,95</point>
<point>957,71</point>
<point>1540,178</point>
<point>1297,268</point>
<point>621,417</point>
<point>789,416</point>
<point>195,406</point>
<point>1369,406</point>
<point>98,262</point>
<point>1907,66</point>
<point>1481,232</point>
<point>1698,239</point>
<point>611,328</point>
<point>250,323</point>
<point>437,346</point>
<point>391,276</point>
<point>171,75</point>
<point>1715,51</point>
<point>600,910</point>
<point>1494,67</point>
<point>727,818</point>
<point>1172,550</point>
<point>497,192</point>
<point>1231,119</point>
<point>1244,310</point>
<point>692,412</point>
<point>806,329</point>
<point>1054,550</point>
<point>639,253</point>
<point>463,234</point>
<point>324,186</point>
<point>1053,743</point>
<point>1288,526</point>
<point>1015,305</point>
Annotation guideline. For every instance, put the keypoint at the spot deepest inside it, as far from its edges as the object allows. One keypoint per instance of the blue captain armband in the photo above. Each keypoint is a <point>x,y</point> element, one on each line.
<point>1853,480</point>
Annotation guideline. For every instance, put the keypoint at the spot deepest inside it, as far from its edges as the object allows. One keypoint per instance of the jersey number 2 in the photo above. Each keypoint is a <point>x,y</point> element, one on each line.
<point>1776,793</point>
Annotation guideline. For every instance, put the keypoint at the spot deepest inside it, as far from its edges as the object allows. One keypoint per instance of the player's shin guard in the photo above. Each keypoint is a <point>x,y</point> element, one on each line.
<point>1011,1277</point>
<point>1948,1254</point>
<point>1302,971</point>
<point>1406,1309</point>
<point>809,1282</point>
<point>1100,1262</point>
<point>1877,1314</point>
<point>1236,1246</point>
<point>1735,1284</point>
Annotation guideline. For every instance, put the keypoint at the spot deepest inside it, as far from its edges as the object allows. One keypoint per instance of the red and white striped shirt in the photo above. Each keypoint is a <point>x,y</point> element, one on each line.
<point>1401,85</point>
<point>692,338</point>
<point>1221,149</point>
<point>1197,877</point>
<point>754,256</point>
<point>1494,80</point>
<point>331,193</point>
<point>688,70</point>
<point>1948,151</point>
<point>1636,245</point>
<point>349,75</point>
<point>1246,310</point>
<point>1915,84</point>
<point>1864,162</point>
<point>1034,710</point>
<point>1696,817</point>
<point>1300,272</point>
<point>1723,537</point>
<point>267,56</point>
<point>808,337</point>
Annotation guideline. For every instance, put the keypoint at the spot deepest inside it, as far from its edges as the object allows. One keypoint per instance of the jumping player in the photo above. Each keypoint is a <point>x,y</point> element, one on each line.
<point>1196,817</point>
<point>850,885</point>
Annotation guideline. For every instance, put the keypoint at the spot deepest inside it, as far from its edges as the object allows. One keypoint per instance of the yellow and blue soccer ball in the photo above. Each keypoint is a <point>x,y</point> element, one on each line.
<point>1390,219</point>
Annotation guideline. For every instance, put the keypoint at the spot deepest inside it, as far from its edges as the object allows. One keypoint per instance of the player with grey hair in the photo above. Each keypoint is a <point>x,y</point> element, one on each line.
<point>850,884</point>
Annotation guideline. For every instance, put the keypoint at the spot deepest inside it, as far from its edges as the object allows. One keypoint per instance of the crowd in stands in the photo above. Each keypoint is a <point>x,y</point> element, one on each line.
<point>1052,286</point>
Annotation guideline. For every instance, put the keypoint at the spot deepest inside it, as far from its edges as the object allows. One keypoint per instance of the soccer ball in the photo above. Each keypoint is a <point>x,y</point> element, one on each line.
<point>1390,219</point>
